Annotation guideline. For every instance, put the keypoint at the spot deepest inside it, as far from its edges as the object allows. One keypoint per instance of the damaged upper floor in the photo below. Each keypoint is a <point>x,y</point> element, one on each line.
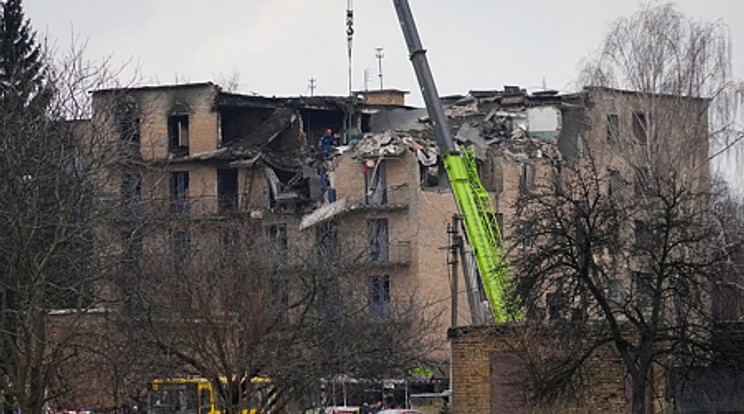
<point>277,141</point>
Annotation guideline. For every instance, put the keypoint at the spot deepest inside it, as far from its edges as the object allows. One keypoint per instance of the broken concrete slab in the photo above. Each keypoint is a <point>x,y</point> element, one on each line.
<point>323,213</point>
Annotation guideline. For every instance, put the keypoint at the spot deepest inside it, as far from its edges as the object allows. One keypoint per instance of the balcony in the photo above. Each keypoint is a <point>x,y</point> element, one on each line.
<point>394,254</point>
<point>394,197</point>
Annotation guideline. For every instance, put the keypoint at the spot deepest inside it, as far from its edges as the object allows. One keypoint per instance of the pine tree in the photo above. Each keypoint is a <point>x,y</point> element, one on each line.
<point>21,65</point>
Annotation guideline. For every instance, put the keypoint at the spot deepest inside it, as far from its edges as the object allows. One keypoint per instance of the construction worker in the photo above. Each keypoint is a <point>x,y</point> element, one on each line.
<point>327,142</point>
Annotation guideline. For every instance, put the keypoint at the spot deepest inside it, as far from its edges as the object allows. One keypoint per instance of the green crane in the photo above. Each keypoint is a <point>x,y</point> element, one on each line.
<point>481,228</point>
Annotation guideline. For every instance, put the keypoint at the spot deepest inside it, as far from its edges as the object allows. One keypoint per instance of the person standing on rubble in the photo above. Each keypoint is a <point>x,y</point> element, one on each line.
<point>327,142</point>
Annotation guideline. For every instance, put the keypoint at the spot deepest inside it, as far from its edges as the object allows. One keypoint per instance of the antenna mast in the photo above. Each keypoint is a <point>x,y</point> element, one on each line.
<point>379,55</point>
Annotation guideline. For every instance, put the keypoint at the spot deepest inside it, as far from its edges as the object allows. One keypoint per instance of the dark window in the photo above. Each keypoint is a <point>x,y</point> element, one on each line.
<point>278,247</point>
<point>181,240</point>
<point>326,238</point>
<point>640,128</point>
<point>131,194</point>
<point>329,300</point>
<point>613,127</point>
<point>643,289</point>
<point>227,190</point>
<point>375,183</point>
<point>132,254</point>
<point>280,298</point>
<point>229,238</point>
<point>379,296</point>
<point>557,305</point>
<point>526,235</point>
<point>613,182</point>
<point>379,244</point>
<point>643,236</point>
<point>526,177</point>
<point>179,192</point>
<point>178,134</point>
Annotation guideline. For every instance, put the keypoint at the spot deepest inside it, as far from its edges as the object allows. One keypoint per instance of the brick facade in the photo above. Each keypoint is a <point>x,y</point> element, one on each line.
<point>482,355</point>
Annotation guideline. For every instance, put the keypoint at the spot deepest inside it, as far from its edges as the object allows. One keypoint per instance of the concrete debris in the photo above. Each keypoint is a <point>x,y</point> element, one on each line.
<point>323,213</point>
<point>394,144</point>
<point>459,111</point>
<point>509,120</point>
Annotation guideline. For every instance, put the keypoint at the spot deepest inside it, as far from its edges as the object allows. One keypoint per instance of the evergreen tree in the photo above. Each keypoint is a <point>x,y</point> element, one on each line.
<point>21,65</point>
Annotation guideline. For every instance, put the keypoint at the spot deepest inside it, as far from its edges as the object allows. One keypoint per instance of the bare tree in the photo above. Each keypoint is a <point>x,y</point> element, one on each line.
<point>660,51</point>
<point>623,236</point>
<point>231,308</point>
<point>52,162</point>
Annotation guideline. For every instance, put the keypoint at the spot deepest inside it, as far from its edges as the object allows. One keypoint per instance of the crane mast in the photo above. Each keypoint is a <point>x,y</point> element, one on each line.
<point>475,205</point>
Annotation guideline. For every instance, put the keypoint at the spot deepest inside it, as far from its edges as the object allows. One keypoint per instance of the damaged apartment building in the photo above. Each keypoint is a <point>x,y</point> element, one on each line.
<point>380,199</point>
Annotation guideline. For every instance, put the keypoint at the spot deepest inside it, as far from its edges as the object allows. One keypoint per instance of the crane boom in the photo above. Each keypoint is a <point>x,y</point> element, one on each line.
<point>481,228</point>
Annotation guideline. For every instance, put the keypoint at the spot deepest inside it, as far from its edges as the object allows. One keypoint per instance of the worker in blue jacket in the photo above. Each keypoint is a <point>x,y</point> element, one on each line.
<point>327,141</point>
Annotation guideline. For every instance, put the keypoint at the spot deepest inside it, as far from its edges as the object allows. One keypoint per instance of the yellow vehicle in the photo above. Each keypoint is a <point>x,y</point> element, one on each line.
<point>197,396</point>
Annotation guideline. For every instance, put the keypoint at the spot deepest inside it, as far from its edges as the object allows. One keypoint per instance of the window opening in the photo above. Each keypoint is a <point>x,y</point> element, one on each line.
<point>613,127</point>
<point>179,192</point>
<point>379,244</point>
<point>227,190</point>
<point>278,247</point>
<point>178,134</point>
<point>375,182</point>
<point>640,128</point>
<point>379,302</point>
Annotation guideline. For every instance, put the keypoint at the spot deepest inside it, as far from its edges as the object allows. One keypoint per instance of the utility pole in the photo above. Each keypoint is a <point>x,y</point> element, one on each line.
<point>455,246</point>
<point>379,55</point>
<point>312,86</point>
<point>349,34</point>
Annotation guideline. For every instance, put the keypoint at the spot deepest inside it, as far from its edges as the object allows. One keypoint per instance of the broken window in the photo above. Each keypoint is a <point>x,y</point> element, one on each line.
<point>131,194</point>
<point>377,233</point>
<point>640,128</point>
<point>179,182</point>
<point>379,296</point>
<point>227,190</point>
<point>366,120</point>
<point>181,249</point>
<point>613,182</point>
<point>178,134</point>
<point>326,239</point>
<point>228,244</point>
<point>526,177</point>
<point>375,182</point>
<point>613,127</point>
<point>129,132</point>
<point>278,247</point>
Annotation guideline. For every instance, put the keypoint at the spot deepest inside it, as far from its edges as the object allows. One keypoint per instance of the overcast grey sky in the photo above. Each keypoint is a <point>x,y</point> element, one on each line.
<point>276,46</point>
